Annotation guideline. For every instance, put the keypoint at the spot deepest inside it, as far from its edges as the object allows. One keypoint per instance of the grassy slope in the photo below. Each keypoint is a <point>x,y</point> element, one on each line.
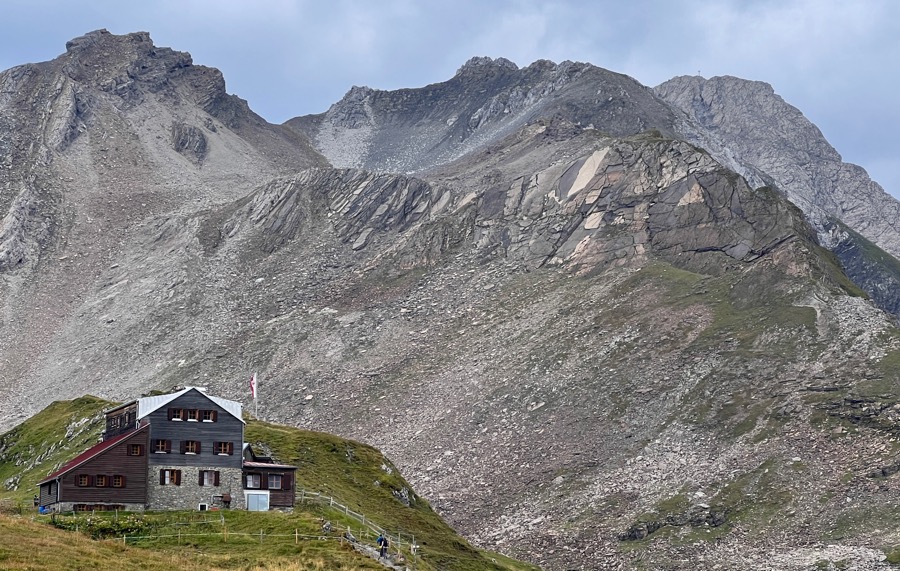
<point>354,474</point>
<point>38,446</point>
<point>36,546</point>
<point>359,476</point>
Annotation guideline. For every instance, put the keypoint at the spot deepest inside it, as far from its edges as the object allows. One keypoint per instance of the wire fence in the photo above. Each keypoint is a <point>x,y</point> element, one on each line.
<point>361,539</point>
<point>399,538</point>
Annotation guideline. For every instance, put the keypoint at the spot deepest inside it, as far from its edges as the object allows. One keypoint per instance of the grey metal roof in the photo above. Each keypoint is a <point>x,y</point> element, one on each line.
<point>146,405</point>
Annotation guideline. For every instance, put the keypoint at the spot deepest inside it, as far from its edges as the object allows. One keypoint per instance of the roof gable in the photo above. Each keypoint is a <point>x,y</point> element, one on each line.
<point>147,405</point>
<point>89,454</point>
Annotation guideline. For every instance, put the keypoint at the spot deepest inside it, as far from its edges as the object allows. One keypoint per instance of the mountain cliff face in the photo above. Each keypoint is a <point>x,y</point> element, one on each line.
<point>589,344</point>
<point>746,123</point>
<point>759,128</point>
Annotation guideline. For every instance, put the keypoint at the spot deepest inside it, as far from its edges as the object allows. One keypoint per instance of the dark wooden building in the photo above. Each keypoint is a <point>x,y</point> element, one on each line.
<point>267,484</point>
<point>109,475</point>
<point>182,450</point>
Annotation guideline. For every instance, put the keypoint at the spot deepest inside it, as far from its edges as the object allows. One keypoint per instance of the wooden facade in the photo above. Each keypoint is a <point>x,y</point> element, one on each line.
<point>120,420</point>
<point>112,473</point>
<point>261,474</point>
<point>223,432</point>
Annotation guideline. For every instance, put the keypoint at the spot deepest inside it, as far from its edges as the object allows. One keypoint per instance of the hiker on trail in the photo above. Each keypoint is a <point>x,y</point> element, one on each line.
<point>382,542</point>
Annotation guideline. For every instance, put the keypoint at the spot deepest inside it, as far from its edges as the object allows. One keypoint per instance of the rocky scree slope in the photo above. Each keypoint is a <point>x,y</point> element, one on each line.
<point>409,130</point>
<point>746,124</point>
<point>93,145</point>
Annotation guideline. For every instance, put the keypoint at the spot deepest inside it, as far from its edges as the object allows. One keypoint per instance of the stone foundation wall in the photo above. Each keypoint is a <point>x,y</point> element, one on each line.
<point>190,494</point>
<point>63,507</point>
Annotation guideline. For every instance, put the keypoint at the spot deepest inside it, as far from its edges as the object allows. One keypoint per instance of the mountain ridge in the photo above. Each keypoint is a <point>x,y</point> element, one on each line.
<point>488,100</point>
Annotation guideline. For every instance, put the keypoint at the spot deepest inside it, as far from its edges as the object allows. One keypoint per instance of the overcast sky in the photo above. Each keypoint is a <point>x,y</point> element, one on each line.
<point>837,61</point>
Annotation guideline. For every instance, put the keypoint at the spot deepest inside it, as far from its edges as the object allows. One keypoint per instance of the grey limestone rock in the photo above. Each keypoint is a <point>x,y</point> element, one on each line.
<point>760,130</point>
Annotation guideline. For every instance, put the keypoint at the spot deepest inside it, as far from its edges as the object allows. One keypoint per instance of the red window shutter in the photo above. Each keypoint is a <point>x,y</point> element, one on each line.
<point>286,482</point>
<point>264,481</point>
<point>171,413</point>
<point>215,415</point>
<point>123,481</point>
<point>198,447</point>
<point>231,448</point>
<point>183,445</point>
<point>168,446</point>
<point>162,477</point>
<point>177,477</point>
<point>200,478</point>
<point>216,478</point>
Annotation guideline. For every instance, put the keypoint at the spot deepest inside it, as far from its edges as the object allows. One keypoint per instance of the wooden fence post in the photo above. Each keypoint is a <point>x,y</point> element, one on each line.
<point>296,537</point>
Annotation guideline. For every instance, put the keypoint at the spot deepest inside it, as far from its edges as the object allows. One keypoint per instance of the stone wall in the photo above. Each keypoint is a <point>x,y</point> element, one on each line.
<point>63,507</point>
<point>190,494</point>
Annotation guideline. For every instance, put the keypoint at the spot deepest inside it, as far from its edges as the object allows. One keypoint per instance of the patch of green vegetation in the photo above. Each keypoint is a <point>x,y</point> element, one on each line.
<point>755,498</point>
<point>682,286</point>
<point>774,426</point>
<point>673,505</point>
<point>57,434</point>
<point>872,251</point>
<point>743,307</point>
<point>889,381</point>
<point>744,410</point>
<point>892,555</point>
<point>799,467</point>
<point>650,136</point>
<point>857,520</point>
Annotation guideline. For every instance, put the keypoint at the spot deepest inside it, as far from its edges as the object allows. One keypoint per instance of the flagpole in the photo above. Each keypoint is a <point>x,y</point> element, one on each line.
<point>253,389</point>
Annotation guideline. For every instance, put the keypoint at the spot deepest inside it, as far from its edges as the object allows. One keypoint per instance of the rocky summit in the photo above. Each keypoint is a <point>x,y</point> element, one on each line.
<point>596,324</point>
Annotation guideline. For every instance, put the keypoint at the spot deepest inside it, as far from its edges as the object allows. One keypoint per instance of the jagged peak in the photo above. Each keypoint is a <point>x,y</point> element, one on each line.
<point>137,42</point>
<point>103,36</point>
<point>478,63</point>
<point>541,65</point>
<point>357,93</point>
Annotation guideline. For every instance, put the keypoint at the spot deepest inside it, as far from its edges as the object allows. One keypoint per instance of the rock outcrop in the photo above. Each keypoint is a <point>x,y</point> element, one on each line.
<point>750,124</point>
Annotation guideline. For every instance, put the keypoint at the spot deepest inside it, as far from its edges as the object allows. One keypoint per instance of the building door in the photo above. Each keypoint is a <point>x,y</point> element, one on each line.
<point>257,501</point>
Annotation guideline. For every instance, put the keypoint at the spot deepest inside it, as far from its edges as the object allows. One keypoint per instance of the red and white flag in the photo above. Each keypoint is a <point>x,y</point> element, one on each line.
<point>253,386</point>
